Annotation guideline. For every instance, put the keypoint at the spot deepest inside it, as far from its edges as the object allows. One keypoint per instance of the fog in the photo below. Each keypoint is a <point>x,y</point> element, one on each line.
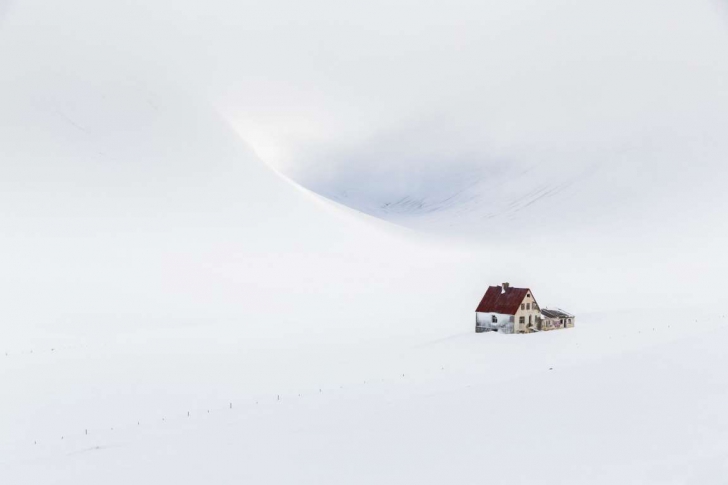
<point>603,122</point>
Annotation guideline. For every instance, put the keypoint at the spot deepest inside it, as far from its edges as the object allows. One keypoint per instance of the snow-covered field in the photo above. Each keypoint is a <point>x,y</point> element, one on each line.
<point>177,307</point>
<point>622,398</point>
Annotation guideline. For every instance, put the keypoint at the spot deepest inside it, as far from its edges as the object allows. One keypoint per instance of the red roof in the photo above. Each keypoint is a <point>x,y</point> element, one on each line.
<point>505,302</point>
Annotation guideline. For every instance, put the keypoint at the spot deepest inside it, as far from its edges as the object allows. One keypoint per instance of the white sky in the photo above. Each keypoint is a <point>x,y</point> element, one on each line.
<point>389,99</point>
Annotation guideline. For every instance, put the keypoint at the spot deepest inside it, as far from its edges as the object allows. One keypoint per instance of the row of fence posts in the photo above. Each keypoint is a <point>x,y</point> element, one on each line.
<point>230,406</point>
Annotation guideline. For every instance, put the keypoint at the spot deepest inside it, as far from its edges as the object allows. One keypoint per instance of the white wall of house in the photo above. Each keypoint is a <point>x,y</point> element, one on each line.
<point>527,311</point>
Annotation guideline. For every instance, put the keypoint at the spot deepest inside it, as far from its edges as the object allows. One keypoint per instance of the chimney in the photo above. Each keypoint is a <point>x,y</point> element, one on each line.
<point>506,286</point>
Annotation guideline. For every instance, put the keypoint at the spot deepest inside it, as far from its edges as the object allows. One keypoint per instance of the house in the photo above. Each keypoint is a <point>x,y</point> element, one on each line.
<point>554,319</point>
<point>506,309</point>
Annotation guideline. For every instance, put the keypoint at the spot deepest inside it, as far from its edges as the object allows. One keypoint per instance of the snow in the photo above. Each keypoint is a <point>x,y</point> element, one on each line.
<point>503,322</point>
<point>610,400</point>
<point>175,306</point>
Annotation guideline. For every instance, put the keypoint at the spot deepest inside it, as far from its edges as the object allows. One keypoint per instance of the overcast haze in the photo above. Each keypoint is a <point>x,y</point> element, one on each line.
<point>242,241</point>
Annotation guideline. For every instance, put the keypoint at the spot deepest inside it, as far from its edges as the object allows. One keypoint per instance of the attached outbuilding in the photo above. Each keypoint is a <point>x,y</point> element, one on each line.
<point>556,318</point>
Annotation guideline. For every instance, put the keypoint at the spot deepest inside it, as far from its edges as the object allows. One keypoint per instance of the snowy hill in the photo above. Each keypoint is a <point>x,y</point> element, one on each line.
<point>178,308</point>
<point>553,116</point>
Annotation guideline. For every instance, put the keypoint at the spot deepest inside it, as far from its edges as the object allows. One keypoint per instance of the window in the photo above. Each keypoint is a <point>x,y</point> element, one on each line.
<point>528,306</point>
<point>523,306</point>
<point>522,320</point>
<point>494,319</point>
